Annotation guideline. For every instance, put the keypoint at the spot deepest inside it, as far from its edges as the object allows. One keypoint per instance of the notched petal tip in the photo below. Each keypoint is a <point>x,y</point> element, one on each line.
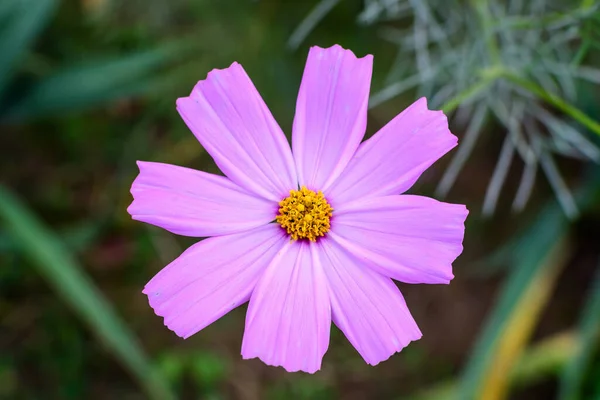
<point>399,349</point>
<point>234,125</point>
<point>420,102</point>
<point>452,138</point>
<point>421,106</point>
<point>152,297</point>
<point>277,365</point>
<point>331,113</point>
<point>143,166</point>
<point>410,238</point>
<point>131,210</point>
<point>449,277</point>
<point>289,318</point>
<point>132,207</point>
<point>212,75</point>
<point>194,203</point>
<point>367,307</point>
<point>392,160</point>
<point>336,48</point>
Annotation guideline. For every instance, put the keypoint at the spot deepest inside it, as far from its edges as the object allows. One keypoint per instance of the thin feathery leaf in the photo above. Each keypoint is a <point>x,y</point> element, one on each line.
<point>563,194</point>
<point>562,130</point>
<point>309,23</point>
<point>394,90</point>
<point>511,120</point>
<point>499,176</point>
<point>530,170</point>
<point>467,144</point>
<point>519,52</point>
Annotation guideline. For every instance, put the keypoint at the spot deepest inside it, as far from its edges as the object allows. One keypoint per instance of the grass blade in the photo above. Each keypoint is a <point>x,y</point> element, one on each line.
<point>589,329</point>
<point>506,333</point>
<point>56,264</point>
<point>20,23</point>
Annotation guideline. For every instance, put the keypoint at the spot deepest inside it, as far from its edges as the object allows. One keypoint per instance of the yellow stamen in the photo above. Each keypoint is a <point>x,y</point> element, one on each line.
<point>305,214</point>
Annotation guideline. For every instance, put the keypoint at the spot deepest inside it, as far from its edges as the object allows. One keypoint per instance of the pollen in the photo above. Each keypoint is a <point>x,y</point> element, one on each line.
<point>305,214</point>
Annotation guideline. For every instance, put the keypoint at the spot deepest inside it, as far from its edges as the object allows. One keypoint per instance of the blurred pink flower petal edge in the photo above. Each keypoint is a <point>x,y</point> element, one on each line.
<point>296,288</point>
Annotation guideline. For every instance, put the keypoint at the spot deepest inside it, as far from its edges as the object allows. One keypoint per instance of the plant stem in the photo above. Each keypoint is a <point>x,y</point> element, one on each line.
<point>554,100</point>
<point>488,76</point>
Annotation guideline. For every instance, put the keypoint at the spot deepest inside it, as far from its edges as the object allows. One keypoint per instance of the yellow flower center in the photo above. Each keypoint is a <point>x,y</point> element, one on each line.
<point>304,214</point>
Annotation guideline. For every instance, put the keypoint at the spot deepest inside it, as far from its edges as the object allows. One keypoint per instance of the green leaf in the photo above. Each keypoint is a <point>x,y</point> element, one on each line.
<point>589,329</point>
<point>20,23</point>
<point>89,85</point>
<point>55,263</point>
<point>511,323</point>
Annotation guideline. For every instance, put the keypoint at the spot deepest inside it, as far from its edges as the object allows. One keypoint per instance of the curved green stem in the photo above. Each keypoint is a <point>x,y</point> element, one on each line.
<point>488,76</point>
<point>554,100</point>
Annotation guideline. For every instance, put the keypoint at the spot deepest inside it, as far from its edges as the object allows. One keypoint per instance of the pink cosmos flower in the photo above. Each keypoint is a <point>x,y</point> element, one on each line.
<point>308,235</point>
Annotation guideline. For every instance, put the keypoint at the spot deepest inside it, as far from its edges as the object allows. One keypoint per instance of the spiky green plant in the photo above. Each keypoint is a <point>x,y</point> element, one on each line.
<point>517,63</point>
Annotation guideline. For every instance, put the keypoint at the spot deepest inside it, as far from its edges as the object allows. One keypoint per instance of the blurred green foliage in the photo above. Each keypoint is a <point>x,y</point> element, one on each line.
<point>87,87</point>
<point>55,263</point>
<point>28,95</point>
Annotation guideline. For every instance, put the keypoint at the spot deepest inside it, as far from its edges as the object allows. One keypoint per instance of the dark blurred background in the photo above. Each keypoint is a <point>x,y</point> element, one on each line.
<point>87,87</point>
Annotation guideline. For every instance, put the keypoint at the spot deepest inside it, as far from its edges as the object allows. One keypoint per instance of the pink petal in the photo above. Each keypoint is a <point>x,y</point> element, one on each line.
<point>289,316</point>
<point>194,203</point>
<point>366,306</point>
<point>212,277</point>
<point>412,239</point>
<point>331,114</point>
<point>236,128</point>
<point>393,159</point>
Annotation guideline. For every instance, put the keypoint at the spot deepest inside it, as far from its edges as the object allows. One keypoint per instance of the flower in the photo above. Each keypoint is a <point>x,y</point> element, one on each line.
<point>307,235</point>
